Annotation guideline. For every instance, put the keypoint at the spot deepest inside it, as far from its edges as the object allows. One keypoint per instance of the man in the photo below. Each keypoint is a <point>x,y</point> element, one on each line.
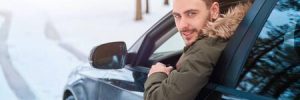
<point>205,35</point>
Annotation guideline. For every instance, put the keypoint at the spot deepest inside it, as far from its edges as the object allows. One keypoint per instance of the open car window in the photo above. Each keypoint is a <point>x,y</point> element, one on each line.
<point>169,51</point>
<point>174,43</point>
<point>171,45</point>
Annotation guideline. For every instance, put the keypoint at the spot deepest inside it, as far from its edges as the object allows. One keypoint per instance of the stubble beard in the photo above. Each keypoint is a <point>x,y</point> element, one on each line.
<point>191,37</point>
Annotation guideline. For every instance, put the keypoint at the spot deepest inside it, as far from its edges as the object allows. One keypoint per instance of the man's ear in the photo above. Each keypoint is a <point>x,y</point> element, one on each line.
<point>215,10</point>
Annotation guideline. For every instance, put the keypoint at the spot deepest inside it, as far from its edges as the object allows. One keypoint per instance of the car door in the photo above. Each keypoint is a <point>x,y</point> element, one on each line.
<point>272,68</point>
<point>267,59</point>
<point>127,83</point>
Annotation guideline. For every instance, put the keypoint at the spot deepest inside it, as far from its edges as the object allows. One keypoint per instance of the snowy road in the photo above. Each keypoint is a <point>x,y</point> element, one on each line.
<point>42,41</point>
<point>16,84</point>
<point>13,78</point>
<point>6,92</point>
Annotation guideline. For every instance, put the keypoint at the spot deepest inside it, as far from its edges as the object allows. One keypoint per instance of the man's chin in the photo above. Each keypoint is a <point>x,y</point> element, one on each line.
<point>188,43</point>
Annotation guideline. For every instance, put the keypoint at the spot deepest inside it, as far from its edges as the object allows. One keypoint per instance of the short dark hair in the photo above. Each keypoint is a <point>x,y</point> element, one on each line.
<point>210,2</point>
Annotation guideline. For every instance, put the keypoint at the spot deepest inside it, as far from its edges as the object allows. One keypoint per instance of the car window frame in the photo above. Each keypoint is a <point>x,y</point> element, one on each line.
<point>243,40</point>
<point>147,47</point>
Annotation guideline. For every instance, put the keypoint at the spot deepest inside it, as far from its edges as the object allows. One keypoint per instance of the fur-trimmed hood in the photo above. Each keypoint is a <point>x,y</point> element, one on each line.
<point>224,26</point>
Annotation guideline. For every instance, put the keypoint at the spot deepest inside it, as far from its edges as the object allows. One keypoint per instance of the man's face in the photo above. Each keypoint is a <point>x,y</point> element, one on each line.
<point>190,17</point>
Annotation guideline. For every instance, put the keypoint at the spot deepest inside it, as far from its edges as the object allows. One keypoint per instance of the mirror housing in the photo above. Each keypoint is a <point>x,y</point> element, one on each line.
<point>109,56</point>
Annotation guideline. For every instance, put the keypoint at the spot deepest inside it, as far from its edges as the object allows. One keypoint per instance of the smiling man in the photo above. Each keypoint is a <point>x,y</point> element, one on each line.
<point>205,35</point>
<point>192,15</point>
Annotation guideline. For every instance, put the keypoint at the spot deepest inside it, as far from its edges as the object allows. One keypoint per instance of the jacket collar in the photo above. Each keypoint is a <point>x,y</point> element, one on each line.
<point>226,24</point>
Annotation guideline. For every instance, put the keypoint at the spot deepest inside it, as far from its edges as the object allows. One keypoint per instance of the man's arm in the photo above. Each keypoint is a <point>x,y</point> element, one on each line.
<point>159,67</point>
<point>185,83</point>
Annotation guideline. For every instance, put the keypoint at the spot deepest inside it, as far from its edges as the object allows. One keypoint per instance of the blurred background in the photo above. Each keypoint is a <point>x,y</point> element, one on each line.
<point>42,41</point>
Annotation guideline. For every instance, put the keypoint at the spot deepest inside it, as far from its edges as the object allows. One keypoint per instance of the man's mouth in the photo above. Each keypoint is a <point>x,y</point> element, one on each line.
<point>187,35</point>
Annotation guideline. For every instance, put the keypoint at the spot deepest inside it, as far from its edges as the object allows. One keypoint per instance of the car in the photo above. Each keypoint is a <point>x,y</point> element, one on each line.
<point>261,60</point>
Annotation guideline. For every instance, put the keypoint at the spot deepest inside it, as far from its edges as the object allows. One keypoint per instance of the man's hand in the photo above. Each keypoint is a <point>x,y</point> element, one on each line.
<point>159,67</point>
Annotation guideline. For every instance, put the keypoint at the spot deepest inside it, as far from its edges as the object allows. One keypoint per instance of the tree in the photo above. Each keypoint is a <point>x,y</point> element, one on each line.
<point>147,6</point>
<point>138,13</point>
<point>166,2</point>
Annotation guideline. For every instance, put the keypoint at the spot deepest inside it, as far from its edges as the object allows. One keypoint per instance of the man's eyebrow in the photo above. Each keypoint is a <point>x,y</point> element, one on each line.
<point>191,10</point>
<point>175,13</point>
<point>185,12</point>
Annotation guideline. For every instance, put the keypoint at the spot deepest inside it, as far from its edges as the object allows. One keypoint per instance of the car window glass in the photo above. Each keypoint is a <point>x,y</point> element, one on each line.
<point>273,66</point>
<point>174,43</point>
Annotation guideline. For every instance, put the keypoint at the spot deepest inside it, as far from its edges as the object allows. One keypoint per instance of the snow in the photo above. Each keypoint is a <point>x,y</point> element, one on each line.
<point>39,29</point>
<point>5,92</point>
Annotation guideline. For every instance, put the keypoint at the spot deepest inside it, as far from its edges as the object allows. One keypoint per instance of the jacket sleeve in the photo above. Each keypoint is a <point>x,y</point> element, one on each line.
<point>185,83</point>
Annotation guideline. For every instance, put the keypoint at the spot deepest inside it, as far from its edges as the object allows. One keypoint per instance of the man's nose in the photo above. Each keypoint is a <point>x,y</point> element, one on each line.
<point>183,24</point>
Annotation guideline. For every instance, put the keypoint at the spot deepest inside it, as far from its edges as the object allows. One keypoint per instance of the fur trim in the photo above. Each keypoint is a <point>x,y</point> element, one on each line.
<point>224,26</point>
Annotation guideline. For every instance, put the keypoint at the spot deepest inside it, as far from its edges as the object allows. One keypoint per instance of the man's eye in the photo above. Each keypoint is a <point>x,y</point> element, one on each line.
<point>191,14</point>
<point>176,16</point>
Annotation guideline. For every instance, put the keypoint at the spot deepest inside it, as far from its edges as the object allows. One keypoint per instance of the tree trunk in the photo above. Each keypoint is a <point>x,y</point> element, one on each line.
<point>138,13</point>
<point>147,6</point>
<point>166,2</point>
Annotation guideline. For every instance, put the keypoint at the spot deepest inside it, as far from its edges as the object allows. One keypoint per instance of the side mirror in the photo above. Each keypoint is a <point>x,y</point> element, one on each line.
<point>109,56</point>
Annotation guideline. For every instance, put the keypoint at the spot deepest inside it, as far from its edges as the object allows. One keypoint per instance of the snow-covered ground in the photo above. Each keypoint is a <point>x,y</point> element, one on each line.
<point>47,39</point>
<point>5,92</point>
